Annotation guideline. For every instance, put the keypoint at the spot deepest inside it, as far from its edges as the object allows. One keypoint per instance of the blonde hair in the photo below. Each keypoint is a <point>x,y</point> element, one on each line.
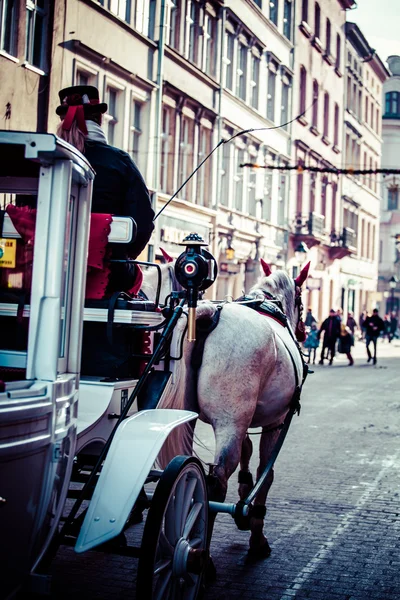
<point>73,136</point>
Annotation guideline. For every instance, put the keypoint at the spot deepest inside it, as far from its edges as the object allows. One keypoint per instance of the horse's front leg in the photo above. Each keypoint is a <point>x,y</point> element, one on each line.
<point>245,477</point>
<point>259,547</point>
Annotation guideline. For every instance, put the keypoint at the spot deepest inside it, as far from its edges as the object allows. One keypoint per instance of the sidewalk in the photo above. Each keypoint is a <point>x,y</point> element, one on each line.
<point>359,353</point>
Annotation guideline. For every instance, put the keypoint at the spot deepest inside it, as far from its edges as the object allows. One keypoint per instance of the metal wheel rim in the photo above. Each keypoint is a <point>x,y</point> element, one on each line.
<point>181,519</point>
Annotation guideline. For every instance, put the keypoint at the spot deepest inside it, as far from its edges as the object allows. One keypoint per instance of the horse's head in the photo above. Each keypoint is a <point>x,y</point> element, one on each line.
<point>288,291</point>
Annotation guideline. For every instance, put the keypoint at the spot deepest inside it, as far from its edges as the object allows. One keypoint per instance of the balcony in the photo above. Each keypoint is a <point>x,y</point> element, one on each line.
<point>309,228</point>
<point>344,244</point>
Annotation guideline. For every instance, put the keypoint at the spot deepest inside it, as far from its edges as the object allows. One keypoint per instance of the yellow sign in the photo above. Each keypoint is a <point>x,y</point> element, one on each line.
<point>8,251</point>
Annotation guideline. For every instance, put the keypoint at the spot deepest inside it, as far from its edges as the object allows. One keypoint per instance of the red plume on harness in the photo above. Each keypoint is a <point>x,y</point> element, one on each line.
<point>300,332</point>
<point>167,257</point>
<point>265,267</point>
<point>300,279</point>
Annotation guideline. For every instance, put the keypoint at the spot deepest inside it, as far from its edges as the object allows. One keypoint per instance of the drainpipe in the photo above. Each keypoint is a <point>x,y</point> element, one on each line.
<point>290,186</point>
<point>160,79</point>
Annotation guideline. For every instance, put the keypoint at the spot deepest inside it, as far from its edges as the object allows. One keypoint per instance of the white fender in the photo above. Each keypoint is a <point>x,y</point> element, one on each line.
<point>135,447</point>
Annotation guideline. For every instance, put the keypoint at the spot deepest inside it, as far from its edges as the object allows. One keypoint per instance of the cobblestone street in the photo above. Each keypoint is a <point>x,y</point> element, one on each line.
<point>333,514</point>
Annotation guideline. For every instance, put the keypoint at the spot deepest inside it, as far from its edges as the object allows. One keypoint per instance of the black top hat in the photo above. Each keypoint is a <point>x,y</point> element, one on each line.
<point>81,95</point>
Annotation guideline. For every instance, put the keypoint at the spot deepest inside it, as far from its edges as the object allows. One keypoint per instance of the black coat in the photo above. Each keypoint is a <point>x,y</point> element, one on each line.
<point>374,325</point>
<point>331,327</point>
<point>119,189</point>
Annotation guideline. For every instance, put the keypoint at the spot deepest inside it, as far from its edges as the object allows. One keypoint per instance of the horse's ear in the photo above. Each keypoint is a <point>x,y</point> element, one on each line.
<point>167,257</point>
<point>266,268</point>
<point>300,279</point>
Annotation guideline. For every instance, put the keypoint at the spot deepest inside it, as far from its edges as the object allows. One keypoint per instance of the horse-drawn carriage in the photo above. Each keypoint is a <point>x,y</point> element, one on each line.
<point>74,427</point>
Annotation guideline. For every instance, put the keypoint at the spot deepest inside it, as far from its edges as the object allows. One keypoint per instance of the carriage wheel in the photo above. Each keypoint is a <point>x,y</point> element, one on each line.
<point>174,548</point>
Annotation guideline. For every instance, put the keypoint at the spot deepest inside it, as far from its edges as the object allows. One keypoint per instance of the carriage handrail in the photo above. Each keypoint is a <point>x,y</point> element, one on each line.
<point>146,264</point>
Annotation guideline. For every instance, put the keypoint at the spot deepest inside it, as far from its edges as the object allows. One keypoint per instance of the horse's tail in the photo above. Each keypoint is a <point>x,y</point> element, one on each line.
<point>183,394</point>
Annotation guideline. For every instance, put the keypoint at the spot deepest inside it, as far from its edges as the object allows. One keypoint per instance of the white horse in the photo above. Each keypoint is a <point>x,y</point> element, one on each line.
<point>168,280</point>
<point>246,379</point>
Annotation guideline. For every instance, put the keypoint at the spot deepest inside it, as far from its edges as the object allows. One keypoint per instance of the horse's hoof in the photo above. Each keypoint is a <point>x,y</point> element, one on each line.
<point>210,573</point>
<point>259,553</point>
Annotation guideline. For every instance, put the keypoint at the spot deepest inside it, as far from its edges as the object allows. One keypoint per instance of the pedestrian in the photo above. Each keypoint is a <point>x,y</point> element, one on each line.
<point>386,328</point>
<point>331,329</point>
<point>346,341</point>
<point>339,314</point>
<point>393,326</point>
<point>118,188</point>
<point>361,323</point>
<point>310,319</point>
<point>351,322</point>
<point>312,342</point>
<point>373,327</point>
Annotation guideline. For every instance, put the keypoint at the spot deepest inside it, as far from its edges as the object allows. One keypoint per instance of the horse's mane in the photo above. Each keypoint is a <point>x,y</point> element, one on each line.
<point>282,286</point>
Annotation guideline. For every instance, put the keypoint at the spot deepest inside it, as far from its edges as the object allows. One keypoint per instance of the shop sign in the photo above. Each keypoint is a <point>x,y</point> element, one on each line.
<point>229,268</point>
<point>313,284</point>
<point>8,252</point>
<point>173,231</point>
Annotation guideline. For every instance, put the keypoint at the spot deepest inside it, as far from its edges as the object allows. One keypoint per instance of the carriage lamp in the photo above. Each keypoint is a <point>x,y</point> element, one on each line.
<point>195,269</point>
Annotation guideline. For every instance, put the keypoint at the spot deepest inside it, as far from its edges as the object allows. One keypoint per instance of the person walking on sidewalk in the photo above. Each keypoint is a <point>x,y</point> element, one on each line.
<point>310,319</point>
<point>351,322</point>
<point>393,326</point>
<point>373,327</point>
<point>312,342</point>
<point>346,341</point>
<point>331,329</point>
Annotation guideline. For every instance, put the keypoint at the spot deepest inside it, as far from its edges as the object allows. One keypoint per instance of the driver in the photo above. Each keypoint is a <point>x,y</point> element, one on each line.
<point>118,188</point>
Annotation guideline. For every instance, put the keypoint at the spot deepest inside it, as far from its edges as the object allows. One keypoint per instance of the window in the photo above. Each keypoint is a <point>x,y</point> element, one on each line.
<point>267,192</point>
<point>255,80</point>
<point>304,11</point>
<point>271,91</point>
<point>36,19</point>
<point>324,188</point>
<point>286,84</point>
<point>377,122</point>
<point>317,20</point>
<point>282,196</point>
<point>8,26</point>
<point>225,170</point>
<point>193,36</point>
<point>287,19</point>
<point>328,37</point>
<point>204,176</point>
<point>210,44</point>
<point>121,8</point>
<point>336,126</point>
<point>111,118</point>
<point>186,156</point>
<point>393,198</point>
<point>392,104</point>
<point>313,181</point>
<point>167,150</point>
<point>238,179</point>
<point>82,78</point>
<point>338,52</point>
<point>229,58</point>
<point>251,190</point>
<point>273,11</point>
<point>174,23</point>
<point>136,131</point>
<point>303,90</point>
<point>241,71</point>
<point>326,115</point>
<point>315,104</point>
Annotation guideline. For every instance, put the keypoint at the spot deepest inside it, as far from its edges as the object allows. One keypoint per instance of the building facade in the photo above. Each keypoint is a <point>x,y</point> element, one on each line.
<point>361,194</point>
<point>318,143</point>
<point>389,235</point>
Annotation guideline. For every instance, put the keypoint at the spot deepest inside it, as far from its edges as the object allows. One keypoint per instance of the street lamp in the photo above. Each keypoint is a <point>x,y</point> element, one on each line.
<point>392,283</point>
<point>300,252</point>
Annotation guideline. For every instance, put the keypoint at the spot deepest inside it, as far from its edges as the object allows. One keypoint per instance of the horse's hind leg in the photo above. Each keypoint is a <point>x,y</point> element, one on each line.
<point>245,477</point>
<point>259,547</point>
